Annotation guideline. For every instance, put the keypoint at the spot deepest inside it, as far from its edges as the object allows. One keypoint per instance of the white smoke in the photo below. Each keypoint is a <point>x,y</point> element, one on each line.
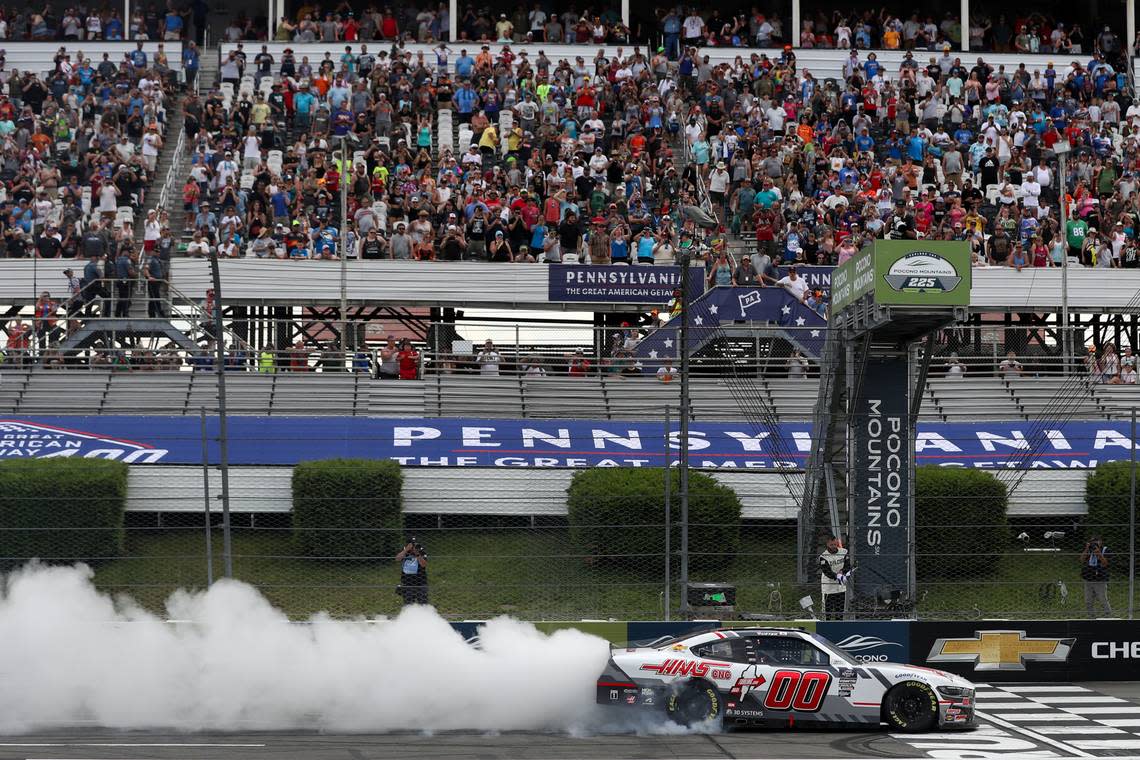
<point>70,655</point>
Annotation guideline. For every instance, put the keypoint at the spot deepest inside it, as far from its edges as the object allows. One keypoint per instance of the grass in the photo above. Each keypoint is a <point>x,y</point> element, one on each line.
<point>535,573</point>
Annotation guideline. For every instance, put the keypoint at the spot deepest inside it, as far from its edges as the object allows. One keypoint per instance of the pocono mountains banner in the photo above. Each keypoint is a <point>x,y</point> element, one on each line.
<point>433,442</point>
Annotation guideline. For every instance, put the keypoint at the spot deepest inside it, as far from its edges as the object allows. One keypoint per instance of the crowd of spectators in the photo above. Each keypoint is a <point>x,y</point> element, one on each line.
<point>678,25</point>
<point>589,167</point>
<point>78,148</point>
<point>77,23</point>
<point>1029,32</point>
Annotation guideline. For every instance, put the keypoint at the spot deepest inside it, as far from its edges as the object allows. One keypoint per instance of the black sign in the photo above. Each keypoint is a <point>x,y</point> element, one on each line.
<point>880,482</point>
<point>1033,650</point>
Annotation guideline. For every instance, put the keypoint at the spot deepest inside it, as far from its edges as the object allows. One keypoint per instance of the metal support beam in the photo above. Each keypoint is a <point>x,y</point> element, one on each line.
<point>920,381</point>
<point>965,12</point>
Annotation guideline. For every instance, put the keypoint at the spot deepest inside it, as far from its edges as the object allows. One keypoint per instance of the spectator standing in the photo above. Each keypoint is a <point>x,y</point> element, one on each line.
<point>409,360</point>
<point>489,360</point>
<point>1094,573</point>
<point>834,565</point>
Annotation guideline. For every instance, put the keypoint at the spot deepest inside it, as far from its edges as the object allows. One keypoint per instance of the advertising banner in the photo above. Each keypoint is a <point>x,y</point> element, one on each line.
<point>1031,650</point>
<point>852,279</point>
<point>905,273</point>
<point>639,284</point>
<point>468,442</point>
<point>922,273</point>
<point>880,522</point>
<point>869,641</point>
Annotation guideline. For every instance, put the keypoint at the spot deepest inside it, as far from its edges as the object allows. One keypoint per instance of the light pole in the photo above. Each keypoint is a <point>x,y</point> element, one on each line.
<point>1061,149</point>
<point>344,169</point>
<point>683,458</point>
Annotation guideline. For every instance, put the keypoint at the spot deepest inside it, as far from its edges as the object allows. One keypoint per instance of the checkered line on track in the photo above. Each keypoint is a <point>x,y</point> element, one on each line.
<point>1075,715</point>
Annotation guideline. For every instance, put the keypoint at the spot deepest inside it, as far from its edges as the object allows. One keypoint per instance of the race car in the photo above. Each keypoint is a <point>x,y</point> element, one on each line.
<point>780,677</point>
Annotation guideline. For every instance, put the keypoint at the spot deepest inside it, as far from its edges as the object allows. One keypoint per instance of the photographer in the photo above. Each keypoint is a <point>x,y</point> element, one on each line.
<point>413,573</point>
<point>834,567</point>
<point>1094,572</point>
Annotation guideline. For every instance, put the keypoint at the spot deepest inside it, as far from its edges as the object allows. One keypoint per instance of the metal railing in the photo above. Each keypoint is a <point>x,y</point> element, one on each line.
<point>520,349</point>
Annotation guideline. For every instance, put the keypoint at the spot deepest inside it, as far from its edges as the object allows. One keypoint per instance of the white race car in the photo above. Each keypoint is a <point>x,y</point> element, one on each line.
<point>780,677</point>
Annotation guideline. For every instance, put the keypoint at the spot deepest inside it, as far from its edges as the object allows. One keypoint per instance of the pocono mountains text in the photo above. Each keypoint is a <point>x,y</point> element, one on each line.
<point>538,443</point>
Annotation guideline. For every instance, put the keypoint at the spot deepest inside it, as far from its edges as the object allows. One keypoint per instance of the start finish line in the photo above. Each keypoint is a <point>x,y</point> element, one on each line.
<point>461,442</point>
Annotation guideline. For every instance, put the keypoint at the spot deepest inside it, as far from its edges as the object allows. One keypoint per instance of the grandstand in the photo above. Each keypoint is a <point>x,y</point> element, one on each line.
<point>462,207</point>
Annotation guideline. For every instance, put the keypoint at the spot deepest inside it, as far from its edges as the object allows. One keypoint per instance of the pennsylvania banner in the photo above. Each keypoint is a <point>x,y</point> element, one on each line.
<point>463,442</point>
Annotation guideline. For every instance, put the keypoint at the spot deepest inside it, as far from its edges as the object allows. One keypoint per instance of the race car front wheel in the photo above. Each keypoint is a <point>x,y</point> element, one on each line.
<point>911,706</point>
<point>693,703</point>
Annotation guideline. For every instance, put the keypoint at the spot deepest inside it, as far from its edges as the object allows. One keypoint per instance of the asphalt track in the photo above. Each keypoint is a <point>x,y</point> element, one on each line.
<point>1089,720</point>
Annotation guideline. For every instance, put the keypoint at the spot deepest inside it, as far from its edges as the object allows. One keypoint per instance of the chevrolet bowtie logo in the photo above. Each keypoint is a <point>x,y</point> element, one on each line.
<point>1000,650</point>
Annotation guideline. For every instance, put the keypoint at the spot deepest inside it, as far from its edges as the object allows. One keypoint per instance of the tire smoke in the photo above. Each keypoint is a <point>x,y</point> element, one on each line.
<point>71,655</point>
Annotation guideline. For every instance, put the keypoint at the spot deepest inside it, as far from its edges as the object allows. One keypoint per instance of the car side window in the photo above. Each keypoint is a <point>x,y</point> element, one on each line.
<point>778,650</point>
<point>732,650</point>
<point>715,650</point>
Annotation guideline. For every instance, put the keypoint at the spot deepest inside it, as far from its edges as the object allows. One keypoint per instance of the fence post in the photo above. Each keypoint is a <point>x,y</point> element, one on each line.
<point>206,499</point>
<point>1132,517</point>
<point>668,517</point>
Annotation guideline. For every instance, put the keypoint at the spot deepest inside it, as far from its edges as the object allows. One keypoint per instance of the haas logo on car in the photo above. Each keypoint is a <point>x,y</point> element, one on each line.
<point>678,668</point>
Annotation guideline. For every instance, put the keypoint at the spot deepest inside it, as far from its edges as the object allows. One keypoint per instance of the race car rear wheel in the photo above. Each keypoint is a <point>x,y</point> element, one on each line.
<point>693,703</point>
<point>910,707</point>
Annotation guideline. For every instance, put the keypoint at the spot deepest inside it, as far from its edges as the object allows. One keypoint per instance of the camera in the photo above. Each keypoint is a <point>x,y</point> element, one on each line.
<point>417,547</point>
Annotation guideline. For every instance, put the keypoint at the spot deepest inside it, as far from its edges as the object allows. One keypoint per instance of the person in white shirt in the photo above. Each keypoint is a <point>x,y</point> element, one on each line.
<point>666,372</point>
<point>795,285</point>
<point>1010,367</point>
<point>693,27</point>
<point>1031,194</point>
<point>250,151</point>
<point>488,360</point>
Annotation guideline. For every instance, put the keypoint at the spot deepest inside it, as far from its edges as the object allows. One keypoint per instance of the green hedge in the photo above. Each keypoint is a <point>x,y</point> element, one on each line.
<point>617,516</point>
<point>348,508</point>
<point>61,510</point>
<point>961,522</point>
<point>1107,492</point>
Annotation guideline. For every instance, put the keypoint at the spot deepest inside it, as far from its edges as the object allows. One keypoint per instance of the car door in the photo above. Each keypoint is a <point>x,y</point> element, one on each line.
<point>800,677</point>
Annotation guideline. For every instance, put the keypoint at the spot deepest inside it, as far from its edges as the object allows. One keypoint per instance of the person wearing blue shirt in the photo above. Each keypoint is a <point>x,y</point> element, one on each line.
<point>324,245</point>
<point>338,94</point>
<point>619,247</point>
<point>895,148</point>
<point>138,57</point>
<point>915,147</point>
<point>464,65</point>
<point>190,63</point>
<point>864,142</point>
<point>113,29</point>
<point>871,68</point>
<point>303,104</point>
<point>466,100</point>
<point>645,244</point>
<point>963,136</point>
<point>125,274</point>
<point>172,25</point>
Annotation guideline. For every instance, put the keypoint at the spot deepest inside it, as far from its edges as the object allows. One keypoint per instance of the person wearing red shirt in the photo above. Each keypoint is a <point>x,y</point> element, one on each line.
<point>351,28</point>
<point>388,28</point>
<point>579,365</point>
<point>409,360</point>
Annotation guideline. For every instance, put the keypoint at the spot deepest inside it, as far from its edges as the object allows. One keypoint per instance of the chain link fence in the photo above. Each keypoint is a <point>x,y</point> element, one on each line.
<point>506,541</point>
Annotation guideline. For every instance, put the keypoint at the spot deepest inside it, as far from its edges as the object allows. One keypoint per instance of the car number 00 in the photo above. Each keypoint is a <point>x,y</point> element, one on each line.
<point>793,690</point>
